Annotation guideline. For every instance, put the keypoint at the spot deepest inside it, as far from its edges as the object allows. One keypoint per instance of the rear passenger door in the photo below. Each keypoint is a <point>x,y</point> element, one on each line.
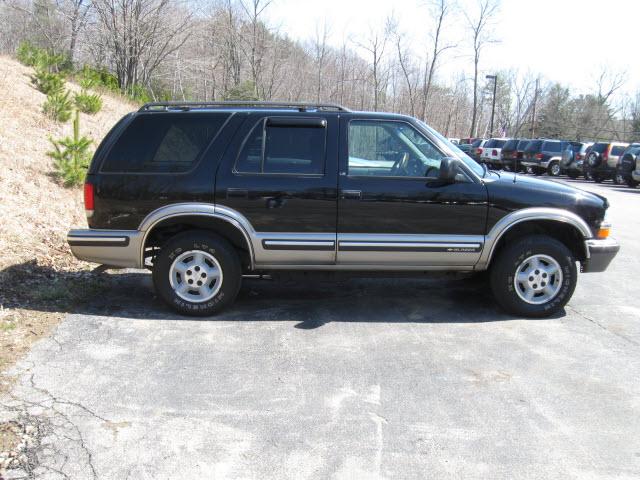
<point>281,175</point>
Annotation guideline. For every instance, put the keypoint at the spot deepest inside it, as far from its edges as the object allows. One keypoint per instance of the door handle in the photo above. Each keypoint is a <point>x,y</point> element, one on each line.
<point>351,194</point>
<point>237,193</point>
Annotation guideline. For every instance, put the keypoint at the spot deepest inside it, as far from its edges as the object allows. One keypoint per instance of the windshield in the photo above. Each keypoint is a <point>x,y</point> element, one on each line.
<point>466,159</point>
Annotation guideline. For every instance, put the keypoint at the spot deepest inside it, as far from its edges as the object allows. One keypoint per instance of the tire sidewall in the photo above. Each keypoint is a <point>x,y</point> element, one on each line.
<point>213,245</point>
<point>504,270</point>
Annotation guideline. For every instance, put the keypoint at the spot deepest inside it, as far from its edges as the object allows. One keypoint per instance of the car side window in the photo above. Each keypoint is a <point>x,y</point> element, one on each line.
<point>284,147</point>
<point>163,143</point>
<point>390,149</point>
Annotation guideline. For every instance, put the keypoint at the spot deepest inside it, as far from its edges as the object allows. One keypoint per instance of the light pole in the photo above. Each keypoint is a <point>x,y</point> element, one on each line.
<point>493,103</point>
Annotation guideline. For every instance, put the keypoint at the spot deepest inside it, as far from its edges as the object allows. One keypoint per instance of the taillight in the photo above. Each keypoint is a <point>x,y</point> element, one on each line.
<point>494,153</point>
<point>578,156</point>
<point>605,154</point>
<point>538,156</point>
<point>478,151</point>
<point>89,198</point>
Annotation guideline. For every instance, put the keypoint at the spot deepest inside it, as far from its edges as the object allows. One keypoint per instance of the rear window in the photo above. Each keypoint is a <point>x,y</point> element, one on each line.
<point>522,144</point>
<point>534,146</point>
<point>617,150</point>
<point>599,147</point>
<point>476,143</point>
<point>163,142</point>
<point>493,143</point>
<point>510,145</point>
<point>552,147</point>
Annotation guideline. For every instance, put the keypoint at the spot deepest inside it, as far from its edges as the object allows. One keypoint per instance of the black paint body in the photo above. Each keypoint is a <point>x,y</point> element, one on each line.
<point>317,203</point>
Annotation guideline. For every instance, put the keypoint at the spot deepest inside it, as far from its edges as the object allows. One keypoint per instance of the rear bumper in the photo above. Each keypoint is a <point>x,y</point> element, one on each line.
<point>117,248</point>
<point>601,252</point>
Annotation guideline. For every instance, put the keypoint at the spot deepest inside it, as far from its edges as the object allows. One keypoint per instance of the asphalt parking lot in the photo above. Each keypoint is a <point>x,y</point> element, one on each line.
<point>362,379</point>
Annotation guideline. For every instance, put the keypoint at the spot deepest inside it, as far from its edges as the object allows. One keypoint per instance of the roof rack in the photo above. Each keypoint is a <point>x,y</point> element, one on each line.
<point>186,106</point>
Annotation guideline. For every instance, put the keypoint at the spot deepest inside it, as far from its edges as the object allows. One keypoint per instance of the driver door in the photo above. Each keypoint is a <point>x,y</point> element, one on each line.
<point>393,210</point>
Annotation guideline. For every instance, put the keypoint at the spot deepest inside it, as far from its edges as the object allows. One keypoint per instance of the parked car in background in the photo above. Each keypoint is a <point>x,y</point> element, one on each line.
<point>544,156</point>
<point>455,141</point>
<point>490,153</point>
<point>635,175</point>
<point>573,158</point>
<point>626,166</point>
<point>602,160</point>
<point>476,149</point>
<point>466,144</point>
<point>511,154</point>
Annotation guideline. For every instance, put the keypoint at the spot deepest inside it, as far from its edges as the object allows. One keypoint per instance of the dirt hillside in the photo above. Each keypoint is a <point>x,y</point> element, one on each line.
<point>36,211</point>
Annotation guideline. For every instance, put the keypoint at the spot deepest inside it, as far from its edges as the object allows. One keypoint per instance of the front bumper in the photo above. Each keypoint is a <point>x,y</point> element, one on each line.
<point>116,248</point>
<point>601,252</point>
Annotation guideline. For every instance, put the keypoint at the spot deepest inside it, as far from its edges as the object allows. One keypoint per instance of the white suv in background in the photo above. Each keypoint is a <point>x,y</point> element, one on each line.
<point>491,152</point>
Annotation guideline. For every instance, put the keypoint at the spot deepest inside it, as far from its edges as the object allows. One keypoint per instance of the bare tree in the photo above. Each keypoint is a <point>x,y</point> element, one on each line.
<point>439,9</point>
<point>480,25</point>
<point>255,41</point>
<point>375,45</point>
<point>320,53</point>
<point>139,35</point>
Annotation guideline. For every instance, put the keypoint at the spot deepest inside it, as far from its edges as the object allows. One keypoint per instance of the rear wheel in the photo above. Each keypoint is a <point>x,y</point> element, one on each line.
<point>554,169</point>
<point>619,179</point>
<point>534,277</point>
<point>197,273</point>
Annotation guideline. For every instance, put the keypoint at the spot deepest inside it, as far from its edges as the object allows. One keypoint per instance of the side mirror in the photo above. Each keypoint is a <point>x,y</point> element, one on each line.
<point>449,170</point>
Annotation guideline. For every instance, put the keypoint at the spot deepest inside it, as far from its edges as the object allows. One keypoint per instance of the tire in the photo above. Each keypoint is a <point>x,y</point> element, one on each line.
<point>588,175</point>
<point>553,169</point>
<point>593,160</point>
<point>619,179</point>
<point>514,258</point>
<point>218,259</point>
<point>632,183</point>
<point>598,178</point>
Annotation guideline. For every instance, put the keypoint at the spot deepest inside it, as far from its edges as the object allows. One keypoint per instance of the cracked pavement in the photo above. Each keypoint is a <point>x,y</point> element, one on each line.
<point>356,379</point>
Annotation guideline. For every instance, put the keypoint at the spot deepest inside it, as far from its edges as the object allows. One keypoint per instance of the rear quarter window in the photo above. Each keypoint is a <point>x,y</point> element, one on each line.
<point>163,142</point>
<point>553,147</point>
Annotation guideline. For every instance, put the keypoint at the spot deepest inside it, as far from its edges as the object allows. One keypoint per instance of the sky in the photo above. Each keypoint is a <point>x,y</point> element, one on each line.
<point>568,41</point>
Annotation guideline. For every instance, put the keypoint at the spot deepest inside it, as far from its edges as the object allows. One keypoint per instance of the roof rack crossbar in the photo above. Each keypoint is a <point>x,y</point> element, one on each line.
<point>300,106</point>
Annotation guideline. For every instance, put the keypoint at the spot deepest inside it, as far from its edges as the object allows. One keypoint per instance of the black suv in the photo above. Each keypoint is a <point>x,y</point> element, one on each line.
<point>626,165</point>
<point>202,194</point>
<point>544,155</point>
<point>512,152</point>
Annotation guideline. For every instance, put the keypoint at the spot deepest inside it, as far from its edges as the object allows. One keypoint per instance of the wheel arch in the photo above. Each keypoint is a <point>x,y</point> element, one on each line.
<point>168,221</point>
<point>563,225</point>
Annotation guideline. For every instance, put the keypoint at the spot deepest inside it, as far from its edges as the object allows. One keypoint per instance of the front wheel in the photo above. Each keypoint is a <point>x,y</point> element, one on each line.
<point>197,273</point>
<point>534,277</point>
